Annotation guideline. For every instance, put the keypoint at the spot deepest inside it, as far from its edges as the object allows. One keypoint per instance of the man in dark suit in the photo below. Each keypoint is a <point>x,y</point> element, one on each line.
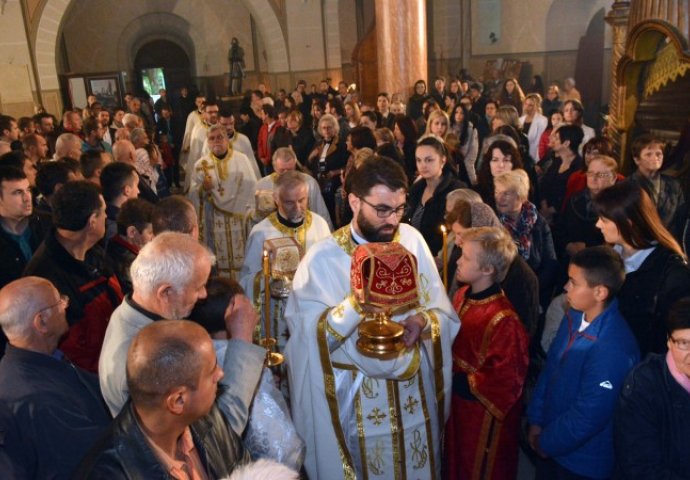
<point>58,406</point>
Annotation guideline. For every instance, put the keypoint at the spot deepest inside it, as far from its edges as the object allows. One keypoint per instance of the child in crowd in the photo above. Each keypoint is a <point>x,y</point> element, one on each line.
<point>490,359</point>
<point>571,411</point>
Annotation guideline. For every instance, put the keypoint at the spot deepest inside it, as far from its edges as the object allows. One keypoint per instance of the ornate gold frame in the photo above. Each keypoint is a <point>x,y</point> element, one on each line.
<point>668,63</point>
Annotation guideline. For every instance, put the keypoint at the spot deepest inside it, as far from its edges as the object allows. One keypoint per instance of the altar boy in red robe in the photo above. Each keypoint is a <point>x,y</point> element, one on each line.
<point>490,359</point>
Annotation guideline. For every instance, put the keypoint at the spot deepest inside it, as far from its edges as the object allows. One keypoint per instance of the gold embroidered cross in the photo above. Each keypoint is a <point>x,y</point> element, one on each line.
<point>376,416</point>
<point>338,311</point>
<point>411,404</point>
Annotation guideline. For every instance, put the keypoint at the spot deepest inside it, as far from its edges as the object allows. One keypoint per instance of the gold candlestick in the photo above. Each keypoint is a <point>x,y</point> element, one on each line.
<point>444,256</point>
<point>267,294</point>
<point>272,358</point>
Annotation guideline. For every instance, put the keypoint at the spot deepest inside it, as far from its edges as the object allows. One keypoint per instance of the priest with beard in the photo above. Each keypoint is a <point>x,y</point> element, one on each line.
<point>376,416</point>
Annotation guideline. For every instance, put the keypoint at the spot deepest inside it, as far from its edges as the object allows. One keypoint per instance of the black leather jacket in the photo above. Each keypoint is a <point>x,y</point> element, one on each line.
<point>124,452</point>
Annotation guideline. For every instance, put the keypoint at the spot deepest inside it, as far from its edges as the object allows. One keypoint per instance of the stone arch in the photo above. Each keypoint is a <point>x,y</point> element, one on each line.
<point>53,11</point>
<point>155,26</point>
<point>272,33</point>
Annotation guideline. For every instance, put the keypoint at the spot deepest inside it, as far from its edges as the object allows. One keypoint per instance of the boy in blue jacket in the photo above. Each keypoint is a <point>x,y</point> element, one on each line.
<point>571,411</point>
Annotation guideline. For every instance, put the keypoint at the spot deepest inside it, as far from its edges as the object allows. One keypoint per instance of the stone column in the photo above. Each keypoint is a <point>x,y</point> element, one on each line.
<point>618,19</point>
<point>401,44</point>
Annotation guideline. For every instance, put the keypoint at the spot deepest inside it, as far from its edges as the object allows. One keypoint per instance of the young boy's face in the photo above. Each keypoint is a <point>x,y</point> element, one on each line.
<point>650,160</point>
<point>580,295</point>
<point>469,270</point>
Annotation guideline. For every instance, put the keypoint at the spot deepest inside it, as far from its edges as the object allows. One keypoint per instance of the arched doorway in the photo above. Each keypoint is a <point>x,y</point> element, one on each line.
<point>167,56</point>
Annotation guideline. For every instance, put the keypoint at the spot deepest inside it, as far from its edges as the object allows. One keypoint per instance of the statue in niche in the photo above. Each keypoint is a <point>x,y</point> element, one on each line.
<point>236,59</point>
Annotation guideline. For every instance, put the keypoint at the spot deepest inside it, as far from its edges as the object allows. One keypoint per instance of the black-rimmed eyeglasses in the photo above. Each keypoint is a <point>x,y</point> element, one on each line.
<point>385,212</point>
<point>681,343</point>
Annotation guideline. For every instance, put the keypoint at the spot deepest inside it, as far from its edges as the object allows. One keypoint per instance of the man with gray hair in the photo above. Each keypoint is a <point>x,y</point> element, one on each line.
<point>68,145</point>
<point>238,141</point>
<point>293,219</point>
<point>222,189</point>
<point>168,277</point>
<point>285,160</point>
<point>56,406</point>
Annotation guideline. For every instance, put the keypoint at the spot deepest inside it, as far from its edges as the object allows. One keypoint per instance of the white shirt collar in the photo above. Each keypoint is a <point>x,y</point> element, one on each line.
<point>358,238</point>
<point>634,261</point>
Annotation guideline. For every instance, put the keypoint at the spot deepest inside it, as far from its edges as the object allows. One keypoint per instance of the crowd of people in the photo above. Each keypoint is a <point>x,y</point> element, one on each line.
<point>552,316</point>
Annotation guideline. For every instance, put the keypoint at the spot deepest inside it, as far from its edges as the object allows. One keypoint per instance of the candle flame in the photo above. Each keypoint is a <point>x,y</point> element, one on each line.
<point>443,229</point>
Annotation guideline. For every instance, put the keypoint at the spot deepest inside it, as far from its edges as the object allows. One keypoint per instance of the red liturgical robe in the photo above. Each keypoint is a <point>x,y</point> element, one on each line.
<point>490,359</point>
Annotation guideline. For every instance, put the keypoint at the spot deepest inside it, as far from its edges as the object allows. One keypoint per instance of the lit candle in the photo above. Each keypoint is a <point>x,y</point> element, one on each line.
<point>267,294</point>
<point>444,256</point>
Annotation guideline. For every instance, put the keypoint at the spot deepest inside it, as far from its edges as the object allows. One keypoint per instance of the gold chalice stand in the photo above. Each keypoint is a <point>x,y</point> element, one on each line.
<point>384,282</point>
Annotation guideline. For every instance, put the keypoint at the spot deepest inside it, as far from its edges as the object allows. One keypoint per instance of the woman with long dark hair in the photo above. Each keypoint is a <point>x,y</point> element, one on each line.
<point>656,270</point>
<point>468,139</point>
<point>427,198</point>
<point>501,156</point>
<point>573,113</point>
<point>416,101</point>
<point>512,94</point>
<point>405,132</point>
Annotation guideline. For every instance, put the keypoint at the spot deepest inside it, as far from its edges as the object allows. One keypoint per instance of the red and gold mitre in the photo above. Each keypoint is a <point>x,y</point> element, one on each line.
<point>384,275</point>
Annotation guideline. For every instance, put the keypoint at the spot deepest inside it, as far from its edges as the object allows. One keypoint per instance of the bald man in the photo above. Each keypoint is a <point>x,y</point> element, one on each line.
<point>172,427</point>
<point>57,406</point>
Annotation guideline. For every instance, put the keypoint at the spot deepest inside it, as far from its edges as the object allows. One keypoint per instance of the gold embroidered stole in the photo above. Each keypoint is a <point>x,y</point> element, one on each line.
<point>393,435</point>
<point>278,305</point>
<point>224,231</point>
